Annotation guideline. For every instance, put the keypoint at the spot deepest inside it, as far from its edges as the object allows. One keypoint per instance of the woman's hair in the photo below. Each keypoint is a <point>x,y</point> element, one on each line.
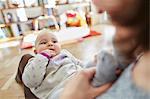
<point>137,17</point>
<point>144,37</point>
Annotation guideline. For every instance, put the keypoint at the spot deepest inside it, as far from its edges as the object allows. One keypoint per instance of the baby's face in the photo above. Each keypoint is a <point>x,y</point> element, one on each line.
<point>49,42</point>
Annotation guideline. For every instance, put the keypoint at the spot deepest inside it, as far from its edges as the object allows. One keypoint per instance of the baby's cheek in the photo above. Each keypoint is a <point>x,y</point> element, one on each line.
<point>58,48</point>
<point>58,51</point>
<point>39,50</point>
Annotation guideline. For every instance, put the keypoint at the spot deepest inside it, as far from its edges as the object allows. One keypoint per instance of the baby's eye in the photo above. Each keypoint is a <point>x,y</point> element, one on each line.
<point>55,41</point>
<point>43,42</point>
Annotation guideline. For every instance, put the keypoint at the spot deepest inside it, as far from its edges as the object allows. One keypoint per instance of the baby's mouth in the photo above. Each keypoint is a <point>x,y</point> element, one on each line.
<point>51,49</point>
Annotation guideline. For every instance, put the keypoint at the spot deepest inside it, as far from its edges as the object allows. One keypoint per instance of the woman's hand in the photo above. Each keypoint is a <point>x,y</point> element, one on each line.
<point>79,87</point>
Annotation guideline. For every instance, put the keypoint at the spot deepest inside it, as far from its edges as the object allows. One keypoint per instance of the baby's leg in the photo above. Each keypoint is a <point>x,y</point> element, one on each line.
<point>105,69</point>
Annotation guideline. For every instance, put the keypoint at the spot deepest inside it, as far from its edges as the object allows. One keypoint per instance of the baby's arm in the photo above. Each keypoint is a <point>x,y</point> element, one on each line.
<point>78,62</point>
<point>35,70</point>
<point>107,65</point>
<point>105,68</point>
<point>74,59</point>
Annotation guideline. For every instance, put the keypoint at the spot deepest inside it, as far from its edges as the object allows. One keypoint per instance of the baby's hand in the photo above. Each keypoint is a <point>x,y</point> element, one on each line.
<point>49,52</point>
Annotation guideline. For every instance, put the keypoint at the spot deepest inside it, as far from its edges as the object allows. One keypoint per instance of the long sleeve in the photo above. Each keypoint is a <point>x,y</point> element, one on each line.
<point>105,68</point>
<point>74,60</point>
<point>34,71</point>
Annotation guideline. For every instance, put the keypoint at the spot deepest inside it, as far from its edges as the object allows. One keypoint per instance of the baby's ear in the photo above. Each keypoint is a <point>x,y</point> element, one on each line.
<point>35,51</point>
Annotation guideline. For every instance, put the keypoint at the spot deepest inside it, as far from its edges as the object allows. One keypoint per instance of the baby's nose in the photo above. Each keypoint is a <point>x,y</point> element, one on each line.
<point>50,43</point>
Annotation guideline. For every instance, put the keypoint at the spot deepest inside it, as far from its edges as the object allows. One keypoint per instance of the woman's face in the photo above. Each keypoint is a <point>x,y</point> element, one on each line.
<point>119,10</point>
<point>125,40</point>
<point>108,5</point>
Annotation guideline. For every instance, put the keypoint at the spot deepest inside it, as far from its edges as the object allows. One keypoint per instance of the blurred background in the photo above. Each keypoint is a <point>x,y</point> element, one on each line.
<point>79,28</point>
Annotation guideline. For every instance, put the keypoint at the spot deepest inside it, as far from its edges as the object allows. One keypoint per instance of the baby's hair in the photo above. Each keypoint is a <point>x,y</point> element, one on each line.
<point>43,31</point>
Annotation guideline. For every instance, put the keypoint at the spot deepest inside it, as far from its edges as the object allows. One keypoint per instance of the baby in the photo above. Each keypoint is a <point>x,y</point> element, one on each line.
<point>50,66</point>
<point>47,72</point>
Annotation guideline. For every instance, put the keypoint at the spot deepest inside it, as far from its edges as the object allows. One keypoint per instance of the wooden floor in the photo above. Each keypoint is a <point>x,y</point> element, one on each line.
<point>10,57</point>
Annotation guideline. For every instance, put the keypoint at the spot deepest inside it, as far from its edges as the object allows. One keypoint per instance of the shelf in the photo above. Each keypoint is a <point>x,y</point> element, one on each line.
<point>10,39</point>
<point>21,22</point>
<point>20,7</point>
<point>44,17</point>
<point>70,4</point>
<point>47,6</point>
<point>40,10</point>
<point>8,24</point>
<point>76,4</point>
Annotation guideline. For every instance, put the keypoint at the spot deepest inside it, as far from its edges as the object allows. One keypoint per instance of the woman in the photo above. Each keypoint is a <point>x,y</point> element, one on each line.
<point>131,18</point>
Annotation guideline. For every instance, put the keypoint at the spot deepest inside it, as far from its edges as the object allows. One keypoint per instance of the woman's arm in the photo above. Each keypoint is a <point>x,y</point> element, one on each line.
<point>79,87</point>
<point>34,71</point>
